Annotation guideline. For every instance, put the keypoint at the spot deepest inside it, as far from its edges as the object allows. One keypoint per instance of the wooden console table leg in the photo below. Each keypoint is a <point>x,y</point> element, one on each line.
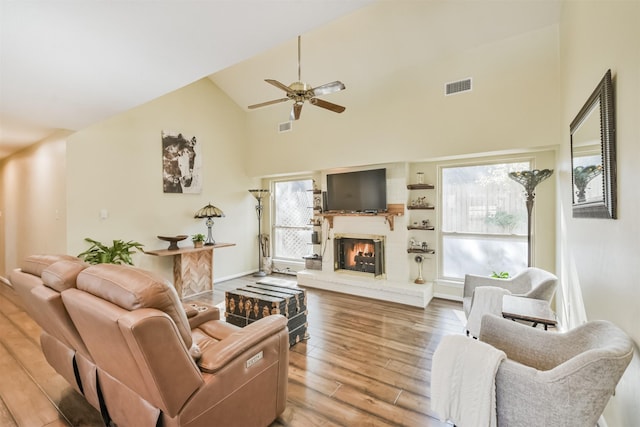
<point>193,272</point>
<point>192,268</point>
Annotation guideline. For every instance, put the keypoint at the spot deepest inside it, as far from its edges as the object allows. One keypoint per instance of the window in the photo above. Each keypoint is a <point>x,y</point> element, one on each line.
<point>484,220</point>
<point>293,212</point>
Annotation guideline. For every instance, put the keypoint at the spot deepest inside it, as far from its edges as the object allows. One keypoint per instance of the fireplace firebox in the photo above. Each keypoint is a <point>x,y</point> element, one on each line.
<point>363,254</point>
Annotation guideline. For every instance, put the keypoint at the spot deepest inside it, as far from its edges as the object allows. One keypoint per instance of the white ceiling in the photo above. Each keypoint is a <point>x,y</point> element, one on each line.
<point>69,64</point>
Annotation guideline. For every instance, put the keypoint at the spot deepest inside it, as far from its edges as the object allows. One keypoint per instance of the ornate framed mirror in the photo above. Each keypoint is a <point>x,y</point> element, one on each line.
<point>593,155</point>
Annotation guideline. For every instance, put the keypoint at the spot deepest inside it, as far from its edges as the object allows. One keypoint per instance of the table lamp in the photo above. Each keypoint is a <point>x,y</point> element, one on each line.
<point>209,212</point>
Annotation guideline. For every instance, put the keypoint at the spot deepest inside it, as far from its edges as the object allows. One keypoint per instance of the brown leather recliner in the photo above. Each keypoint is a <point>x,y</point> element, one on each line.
<point>149,367</point>
<point>39,282</point>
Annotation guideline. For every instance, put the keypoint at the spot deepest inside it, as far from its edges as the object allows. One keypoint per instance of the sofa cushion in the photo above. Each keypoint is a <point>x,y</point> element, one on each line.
<point>132,288</point>
<point>62,275</point>
<point>35,264</point>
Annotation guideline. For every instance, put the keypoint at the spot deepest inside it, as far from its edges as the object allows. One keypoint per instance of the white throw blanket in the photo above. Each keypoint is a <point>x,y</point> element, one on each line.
<point>486,300</point>
<point>463,381</point>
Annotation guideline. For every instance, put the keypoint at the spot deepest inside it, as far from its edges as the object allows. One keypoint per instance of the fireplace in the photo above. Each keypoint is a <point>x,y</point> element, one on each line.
<point>364,254</point>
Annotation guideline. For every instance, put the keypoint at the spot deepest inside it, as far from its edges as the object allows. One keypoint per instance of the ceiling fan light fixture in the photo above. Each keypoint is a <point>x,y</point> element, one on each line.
<point>299,87</point>
<point>300,92</point>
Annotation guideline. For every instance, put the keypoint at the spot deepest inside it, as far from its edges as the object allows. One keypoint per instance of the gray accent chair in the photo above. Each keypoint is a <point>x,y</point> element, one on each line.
<point>556,379</point>
<point>531,283</point>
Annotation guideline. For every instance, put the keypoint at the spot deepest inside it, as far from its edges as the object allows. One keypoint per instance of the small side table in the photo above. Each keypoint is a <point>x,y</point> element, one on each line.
<point>192,268</point>
<point>528,309</point>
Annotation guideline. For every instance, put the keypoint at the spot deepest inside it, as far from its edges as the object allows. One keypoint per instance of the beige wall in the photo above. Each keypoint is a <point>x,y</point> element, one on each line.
<point>33,202</point>
<point>117,165</point>
<point>598,259</point>
<point>515,104</point>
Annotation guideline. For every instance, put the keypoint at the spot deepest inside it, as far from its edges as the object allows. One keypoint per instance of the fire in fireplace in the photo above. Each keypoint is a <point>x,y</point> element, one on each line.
<point>362,254</point>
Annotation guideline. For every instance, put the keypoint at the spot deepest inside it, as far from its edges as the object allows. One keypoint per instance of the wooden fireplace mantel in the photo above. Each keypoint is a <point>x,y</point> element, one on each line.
<point>393,210</point>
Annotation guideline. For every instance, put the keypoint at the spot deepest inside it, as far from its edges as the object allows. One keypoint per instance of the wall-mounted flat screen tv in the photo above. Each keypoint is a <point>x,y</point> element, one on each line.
<point>360,191</point>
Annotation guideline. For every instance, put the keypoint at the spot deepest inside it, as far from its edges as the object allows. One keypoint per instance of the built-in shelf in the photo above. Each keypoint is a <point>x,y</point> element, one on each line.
<point>430,207</point>
<point>421,251</point>
<point>420,186</point>
<point>415,227</point>
<point>393,210</point>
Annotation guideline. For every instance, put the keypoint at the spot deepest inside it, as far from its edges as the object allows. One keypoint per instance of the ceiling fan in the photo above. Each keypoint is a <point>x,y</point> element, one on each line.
<point>300,92</point>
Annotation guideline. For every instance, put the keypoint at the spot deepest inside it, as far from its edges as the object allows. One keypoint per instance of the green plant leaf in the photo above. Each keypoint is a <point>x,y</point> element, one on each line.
<point>119,253</point>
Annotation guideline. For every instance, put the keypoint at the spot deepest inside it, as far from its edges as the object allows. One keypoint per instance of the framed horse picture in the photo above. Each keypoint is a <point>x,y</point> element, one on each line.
<point>181,163</point>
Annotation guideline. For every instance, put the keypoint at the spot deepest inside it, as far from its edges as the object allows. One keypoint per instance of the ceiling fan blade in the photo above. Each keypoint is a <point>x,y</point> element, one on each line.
<point>329,88</point>
<point>328,105</point>
<point>280,86</point>
<point>295,111</point>
<point>264,104</point>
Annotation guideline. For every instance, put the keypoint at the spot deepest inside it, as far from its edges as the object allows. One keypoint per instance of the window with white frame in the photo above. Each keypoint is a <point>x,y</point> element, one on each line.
<point>484,220</point>
<point>292,216</point>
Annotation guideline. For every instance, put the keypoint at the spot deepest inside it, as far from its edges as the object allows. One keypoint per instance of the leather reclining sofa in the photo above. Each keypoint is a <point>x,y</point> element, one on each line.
<point>122,338</point>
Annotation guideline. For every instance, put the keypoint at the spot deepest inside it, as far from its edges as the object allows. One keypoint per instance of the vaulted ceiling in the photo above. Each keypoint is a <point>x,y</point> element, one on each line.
<point>69,64</point>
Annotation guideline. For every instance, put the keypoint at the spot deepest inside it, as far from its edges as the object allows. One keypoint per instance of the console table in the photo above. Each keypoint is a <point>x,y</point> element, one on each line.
<point>192,268</point>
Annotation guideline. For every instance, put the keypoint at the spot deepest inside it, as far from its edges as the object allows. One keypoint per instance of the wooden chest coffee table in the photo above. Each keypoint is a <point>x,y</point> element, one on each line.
<point>266,297</point>
<point>528,309</point>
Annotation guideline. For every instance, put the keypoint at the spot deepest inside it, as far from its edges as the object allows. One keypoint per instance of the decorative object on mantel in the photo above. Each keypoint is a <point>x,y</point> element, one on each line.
<point>530,179</point>
<point>209,212</point>
<point>393,210</point>
<point>419,280</point>
<point>260,194</point>
<point>173,241</point>
<point>419,178</point>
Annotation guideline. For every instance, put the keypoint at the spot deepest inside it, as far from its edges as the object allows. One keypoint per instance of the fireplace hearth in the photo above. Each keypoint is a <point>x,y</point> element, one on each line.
<point>363,254</point>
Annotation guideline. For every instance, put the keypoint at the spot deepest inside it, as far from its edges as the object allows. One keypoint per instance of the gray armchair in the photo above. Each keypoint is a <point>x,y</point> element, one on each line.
<point>531,283</point>
<point>556,379</point>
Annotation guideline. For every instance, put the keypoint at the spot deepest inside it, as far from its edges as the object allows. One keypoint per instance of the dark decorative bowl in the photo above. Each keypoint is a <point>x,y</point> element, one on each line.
<point>173,245</point>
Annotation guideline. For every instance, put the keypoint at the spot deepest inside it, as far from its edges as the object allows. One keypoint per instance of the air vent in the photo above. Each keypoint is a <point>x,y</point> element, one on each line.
<point>285,127</point>
<point>457,87</point>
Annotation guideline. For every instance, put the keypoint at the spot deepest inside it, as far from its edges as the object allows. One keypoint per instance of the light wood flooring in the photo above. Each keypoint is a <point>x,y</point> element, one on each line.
<point>366,363</point>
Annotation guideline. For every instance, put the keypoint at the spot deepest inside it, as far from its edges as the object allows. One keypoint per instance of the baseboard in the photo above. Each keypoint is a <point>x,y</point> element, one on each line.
<point>233,276</point>
<point>447,296</point>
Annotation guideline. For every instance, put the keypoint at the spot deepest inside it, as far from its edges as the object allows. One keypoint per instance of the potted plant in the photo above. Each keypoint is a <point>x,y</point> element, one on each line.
<point>119,253</point>
<point>198,240</point>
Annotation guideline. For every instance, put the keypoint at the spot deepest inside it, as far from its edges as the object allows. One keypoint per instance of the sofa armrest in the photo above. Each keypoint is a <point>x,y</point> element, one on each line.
<point>216,356</point>
<point>197,314</point>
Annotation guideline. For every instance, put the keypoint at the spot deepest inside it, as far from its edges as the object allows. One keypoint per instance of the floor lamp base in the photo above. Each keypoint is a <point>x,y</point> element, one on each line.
<point>259,274</point>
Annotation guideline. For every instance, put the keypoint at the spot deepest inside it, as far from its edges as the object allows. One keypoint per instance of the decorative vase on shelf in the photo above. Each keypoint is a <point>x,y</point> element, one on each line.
<point>419,178</point>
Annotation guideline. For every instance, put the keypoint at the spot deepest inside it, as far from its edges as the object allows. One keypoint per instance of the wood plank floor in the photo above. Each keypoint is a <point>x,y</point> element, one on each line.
<point>366,363</point>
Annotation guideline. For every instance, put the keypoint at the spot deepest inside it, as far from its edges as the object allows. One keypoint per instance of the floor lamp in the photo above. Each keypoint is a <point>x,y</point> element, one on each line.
<point>259,195</point>
<point>530,179</point>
